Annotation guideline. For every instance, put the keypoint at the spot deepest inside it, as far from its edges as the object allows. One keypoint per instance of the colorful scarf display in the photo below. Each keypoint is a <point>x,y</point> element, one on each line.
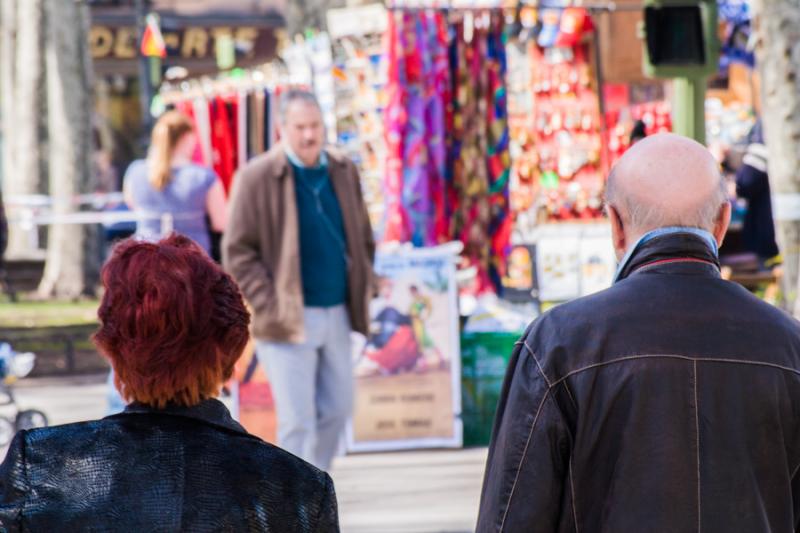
<point>448,164</point>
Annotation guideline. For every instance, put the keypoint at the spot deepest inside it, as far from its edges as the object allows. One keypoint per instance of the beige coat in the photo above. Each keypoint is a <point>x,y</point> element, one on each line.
<point>261,247</point>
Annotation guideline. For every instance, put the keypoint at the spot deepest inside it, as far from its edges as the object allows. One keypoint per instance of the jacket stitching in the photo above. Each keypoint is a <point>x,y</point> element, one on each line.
<point>697,444</point>
<point>571,398</point>
<point>681,357</point>
<point>563,379</point>
<point>549,385</point>
<point>572,489</point>
<point>522,459</point>
<point>795,472</point>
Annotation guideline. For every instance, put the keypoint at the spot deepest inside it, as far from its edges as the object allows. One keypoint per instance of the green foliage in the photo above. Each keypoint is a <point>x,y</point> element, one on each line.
<point>32,314</point>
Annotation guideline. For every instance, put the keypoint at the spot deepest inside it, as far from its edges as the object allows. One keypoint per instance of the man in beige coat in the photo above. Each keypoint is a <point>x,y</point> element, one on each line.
<point>300,245</point>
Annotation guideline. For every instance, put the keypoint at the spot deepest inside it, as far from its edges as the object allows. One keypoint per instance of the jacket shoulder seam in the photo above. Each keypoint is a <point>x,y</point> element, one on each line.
<point>680,357</point>
<point>522,459</point>
<point>538,365</point>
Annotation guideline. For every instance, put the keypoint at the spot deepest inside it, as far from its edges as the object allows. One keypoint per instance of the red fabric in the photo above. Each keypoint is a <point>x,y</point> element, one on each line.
<point>575,22</point>
<point>185,107</point>
<point>395,116</point>
<point>233,121</point>
<point>222,143</point>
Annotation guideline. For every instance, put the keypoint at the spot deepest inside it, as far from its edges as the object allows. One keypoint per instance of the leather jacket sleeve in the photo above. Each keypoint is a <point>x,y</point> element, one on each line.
<point>526,477</point>
<point>328,515</point>
<point>13,485</point>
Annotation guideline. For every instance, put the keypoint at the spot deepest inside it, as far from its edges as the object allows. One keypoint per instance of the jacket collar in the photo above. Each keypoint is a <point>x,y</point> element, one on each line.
<point>662,250</point>
<point>211,411</point>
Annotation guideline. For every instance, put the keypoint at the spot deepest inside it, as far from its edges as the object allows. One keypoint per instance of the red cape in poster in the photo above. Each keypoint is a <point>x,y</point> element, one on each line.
<point>256,405</point>
<point>408,391</point>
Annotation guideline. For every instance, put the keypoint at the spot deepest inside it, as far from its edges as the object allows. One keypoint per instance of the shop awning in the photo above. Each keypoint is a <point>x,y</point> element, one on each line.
<point>191,30</point>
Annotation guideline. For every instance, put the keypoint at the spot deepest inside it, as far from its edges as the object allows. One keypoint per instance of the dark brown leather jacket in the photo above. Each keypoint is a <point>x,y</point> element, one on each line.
<point>668,403</point>
<point>261,246</point>
<point>178,469</point>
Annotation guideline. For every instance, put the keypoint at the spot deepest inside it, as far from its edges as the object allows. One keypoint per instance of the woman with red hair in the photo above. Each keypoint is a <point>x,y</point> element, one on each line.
<point>172,324</point>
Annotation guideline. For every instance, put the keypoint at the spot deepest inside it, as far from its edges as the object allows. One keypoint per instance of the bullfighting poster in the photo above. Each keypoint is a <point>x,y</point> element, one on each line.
<point>407,392</point>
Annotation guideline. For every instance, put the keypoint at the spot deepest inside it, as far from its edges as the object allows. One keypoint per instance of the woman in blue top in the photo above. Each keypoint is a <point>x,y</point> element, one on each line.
<point>169,183</point>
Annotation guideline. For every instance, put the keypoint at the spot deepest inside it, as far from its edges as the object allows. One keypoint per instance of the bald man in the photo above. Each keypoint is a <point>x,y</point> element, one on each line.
<point>667,403</point>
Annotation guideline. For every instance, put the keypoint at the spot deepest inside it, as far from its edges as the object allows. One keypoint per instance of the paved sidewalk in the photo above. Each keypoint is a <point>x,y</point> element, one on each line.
<point>410,492</point>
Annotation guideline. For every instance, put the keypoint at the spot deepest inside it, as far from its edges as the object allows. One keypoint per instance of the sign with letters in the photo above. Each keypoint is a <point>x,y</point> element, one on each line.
<point>408,384</point>
<point>191,42</point>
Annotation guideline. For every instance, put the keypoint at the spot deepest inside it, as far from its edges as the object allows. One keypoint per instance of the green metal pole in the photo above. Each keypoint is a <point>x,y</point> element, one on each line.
<point>688,108</point>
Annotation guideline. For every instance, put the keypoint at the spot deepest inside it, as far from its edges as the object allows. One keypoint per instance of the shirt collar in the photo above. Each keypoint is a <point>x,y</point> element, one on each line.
<point>294,160</point>
<point>631,256</point>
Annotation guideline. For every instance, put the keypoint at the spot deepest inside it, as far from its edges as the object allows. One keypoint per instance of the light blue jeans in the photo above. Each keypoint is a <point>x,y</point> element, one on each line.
<point>312,384</point>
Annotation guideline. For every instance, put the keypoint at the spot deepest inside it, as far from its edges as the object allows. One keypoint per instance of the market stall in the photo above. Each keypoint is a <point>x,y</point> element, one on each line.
<point>234,116</point>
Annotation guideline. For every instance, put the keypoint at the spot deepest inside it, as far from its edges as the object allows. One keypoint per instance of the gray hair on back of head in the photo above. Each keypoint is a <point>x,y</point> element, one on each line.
<point>649,217</point>
<point>296,95</point>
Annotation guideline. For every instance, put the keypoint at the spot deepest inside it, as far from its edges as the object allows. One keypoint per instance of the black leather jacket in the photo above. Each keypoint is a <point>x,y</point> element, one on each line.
<point>668,403</point>
<point>179,469</point>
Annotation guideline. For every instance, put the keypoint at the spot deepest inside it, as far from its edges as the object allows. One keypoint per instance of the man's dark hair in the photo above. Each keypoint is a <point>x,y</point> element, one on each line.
<point>639,131</point>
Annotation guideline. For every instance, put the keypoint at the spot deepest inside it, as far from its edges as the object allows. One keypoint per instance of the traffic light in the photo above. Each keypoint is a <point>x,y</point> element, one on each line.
<point>680,38</point>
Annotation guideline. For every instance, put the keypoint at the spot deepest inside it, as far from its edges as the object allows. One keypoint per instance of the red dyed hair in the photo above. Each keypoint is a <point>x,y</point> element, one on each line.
<point>172,322</point>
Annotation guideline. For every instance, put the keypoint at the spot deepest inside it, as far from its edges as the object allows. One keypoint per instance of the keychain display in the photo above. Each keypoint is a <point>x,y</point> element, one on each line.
<point>557,170</point>
<point>359,81</point>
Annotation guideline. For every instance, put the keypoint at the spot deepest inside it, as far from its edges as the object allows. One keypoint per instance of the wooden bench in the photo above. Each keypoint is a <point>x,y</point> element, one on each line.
<point>59,350</point>
<point>20,275</point>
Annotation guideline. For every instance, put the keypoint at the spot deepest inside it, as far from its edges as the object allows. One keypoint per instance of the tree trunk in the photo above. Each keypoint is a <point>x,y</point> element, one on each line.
<point>70,269</point>
<point>777,28</point>
<point>8,30</point>
<point>26,177</point>
<point>308,14</point>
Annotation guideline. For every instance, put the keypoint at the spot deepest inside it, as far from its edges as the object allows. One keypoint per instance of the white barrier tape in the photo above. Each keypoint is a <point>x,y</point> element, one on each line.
<point>101,218</point>
<point>786,206</point>
<point>42,200</point>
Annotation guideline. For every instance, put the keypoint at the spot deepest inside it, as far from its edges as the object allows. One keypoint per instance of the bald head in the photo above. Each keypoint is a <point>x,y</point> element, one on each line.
<point>666,180</point>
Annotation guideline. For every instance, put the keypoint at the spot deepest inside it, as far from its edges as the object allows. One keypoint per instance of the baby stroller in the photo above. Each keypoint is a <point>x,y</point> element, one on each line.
<point>13,366</point>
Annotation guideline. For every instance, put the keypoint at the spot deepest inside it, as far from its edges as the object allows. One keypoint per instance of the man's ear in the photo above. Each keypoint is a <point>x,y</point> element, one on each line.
<point>722,223</point>
<point>617,231</point>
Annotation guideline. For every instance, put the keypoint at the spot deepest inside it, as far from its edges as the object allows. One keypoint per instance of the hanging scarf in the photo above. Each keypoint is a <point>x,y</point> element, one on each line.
<point>395,225</point>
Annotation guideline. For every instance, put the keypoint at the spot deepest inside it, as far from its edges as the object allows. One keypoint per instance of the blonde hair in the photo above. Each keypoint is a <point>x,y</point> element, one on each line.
<point>168,131</point>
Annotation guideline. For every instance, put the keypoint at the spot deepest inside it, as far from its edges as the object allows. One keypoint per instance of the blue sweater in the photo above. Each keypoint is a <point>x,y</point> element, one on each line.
<point>323,243</point>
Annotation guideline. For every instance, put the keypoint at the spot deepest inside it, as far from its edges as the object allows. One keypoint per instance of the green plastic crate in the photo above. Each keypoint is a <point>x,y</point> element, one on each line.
<point>484,359</point>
